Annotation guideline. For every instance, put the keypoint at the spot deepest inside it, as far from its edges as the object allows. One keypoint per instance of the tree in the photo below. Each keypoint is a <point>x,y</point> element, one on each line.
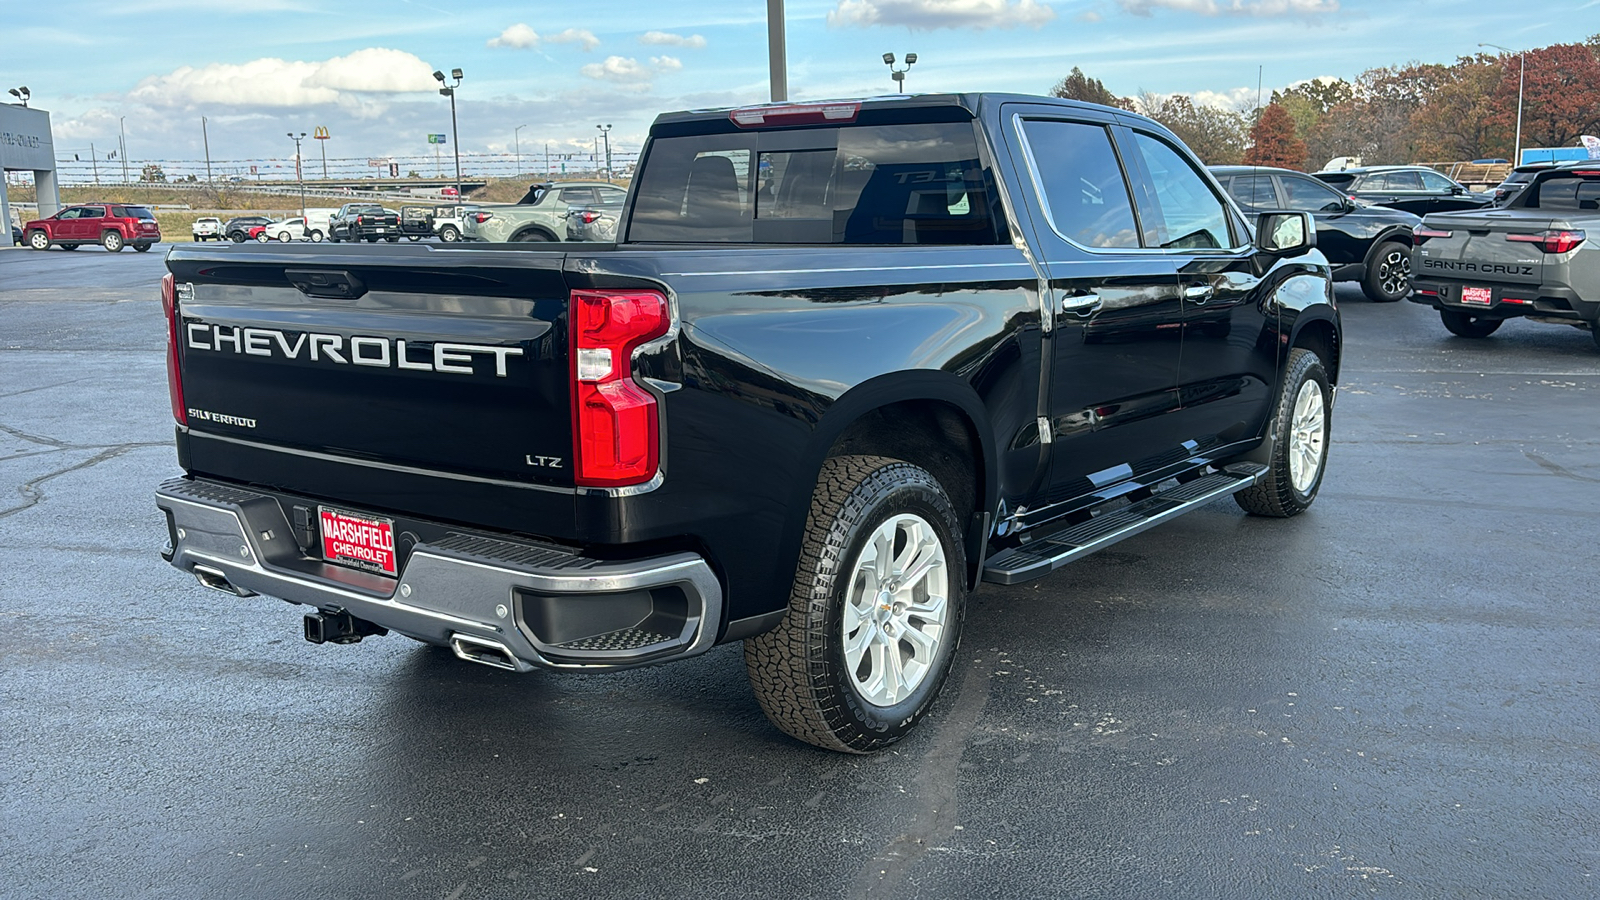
<point>1308,101</point>
<point>1217,136</point>
<point>1560,98</point>
<point>1272,141</point>
<point>1078,86</point>
<point>1458,121</point>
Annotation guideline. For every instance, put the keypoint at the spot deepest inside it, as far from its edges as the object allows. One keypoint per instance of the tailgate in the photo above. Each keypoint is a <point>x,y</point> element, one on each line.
<point>441,362</point>
<point>1477,251</point>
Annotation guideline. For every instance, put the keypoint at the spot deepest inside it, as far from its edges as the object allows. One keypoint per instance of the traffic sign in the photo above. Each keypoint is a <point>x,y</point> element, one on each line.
<point>321,133</point>
<point>436,139</point>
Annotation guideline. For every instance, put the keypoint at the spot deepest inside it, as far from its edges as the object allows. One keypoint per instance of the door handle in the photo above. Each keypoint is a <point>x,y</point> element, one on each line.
<point>1199,293</point>
<point>1082,304</point>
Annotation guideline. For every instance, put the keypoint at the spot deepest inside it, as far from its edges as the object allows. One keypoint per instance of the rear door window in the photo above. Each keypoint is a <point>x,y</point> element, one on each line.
<point>1310,195</point>
<point>859,184</point>
<point>1577,194</point>
<point>1255,190</point>
<point>92,212</point>
<point>1435,182</point>
<point>1081,182</point>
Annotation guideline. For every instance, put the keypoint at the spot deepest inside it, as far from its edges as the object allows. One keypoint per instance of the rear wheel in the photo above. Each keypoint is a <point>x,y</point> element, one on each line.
<point>531,235</point>
<point>1388,278</point>
<point>316,237</point>
<point>142,248</point>
<point>238,237</point>
<point>393,238</point>
<point>875,613</point>
<point>38,240</point>
<point>1299,438</point>
<point>283,237</point>
<point>449,234</point>
<point>1468,325</point>
<point>112,241</point>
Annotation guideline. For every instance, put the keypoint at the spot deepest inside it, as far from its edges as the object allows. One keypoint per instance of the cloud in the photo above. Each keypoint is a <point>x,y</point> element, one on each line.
<point>345,80</point>
<point>517,37</point>
<point>927,15</point>
<point>693,41</point>
<point>1089,16</point>
<point>625,70</point>
<point>1233,7</point>
<point>585,39</point>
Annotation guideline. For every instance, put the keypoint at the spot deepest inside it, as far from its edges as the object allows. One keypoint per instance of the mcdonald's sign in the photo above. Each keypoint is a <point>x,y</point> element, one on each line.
<point>321,133</point>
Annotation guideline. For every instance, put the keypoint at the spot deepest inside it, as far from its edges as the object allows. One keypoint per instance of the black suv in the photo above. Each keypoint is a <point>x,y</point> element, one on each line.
<point>1415,189</point>
<point>1371,244</point>
<point>238,228</point>
<point>1516,180</point>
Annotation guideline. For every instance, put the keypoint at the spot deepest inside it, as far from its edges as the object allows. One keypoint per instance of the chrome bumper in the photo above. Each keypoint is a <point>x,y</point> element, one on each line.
<point>548,607</point>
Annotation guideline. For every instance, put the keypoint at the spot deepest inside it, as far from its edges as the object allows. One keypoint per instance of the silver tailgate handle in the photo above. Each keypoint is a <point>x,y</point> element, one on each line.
<point>1082,304</point>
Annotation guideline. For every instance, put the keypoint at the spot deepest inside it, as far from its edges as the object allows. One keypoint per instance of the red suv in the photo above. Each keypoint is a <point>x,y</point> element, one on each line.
<point>111,225</point>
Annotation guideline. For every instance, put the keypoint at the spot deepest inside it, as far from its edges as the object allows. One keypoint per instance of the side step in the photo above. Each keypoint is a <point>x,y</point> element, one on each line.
<point>1051,551</point>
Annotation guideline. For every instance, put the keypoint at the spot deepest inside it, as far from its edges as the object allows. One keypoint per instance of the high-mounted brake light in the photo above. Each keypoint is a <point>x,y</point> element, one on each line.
<point>1550,241</point>
<point>796,114</point>
<point>616,437</point>
<point>169,306</point>
<point>1421,234</point>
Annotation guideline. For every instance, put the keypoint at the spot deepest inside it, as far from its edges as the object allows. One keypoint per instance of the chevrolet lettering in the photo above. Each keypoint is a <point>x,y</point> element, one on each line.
<point>841,363</point>
<point>455,359</point>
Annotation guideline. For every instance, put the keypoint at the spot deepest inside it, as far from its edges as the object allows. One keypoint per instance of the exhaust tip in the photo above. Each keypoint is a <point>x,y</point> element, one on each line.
<point>483,651</point>
<point>217,580</point>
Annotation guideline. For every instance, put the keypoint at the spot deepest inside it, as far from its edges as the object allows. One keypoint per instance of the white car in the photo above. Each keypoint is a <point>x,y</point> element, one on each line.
<point>207,228</point>
<point>313,227</point>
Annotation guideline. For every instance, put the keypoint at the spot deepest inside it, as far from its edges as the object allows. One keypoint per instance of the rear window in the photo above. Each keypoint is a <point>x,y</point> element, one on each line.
<point>863,184</point>
<point>1337,179</point>
<point>131,212</point>
<point>1569,193</point>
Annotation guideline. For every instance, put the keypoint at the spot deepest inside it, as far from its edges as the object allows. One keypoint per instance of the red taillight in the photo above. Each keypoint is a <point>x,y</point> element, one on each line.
<point>616,436</point>
<point>481,218</point>
<point>169,306</point>
<point>1550,241</point>
<point>796,114</point>
<point>361,220</point>
<point>1427,292</point>
<point>1422,234</point>
<point>589,216</point>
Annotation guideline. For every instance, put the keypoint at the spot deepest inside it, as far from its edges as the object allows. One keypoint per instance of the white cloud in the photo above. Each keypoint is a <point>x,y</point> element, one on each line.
<point>668,39</point>
<point>518,37</point>
<point>282,83</point>
<point>625,70</point>
<point>1089,16</point>
<point>584,39</point>
<point>927,15</point>
<point>1233,7</point>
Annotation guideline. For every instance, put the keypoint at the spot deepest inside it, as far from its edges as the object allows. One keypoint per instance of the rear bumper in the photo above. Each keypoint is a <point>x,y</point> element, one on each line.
<point>509,603</point>
<point>1510,300</point>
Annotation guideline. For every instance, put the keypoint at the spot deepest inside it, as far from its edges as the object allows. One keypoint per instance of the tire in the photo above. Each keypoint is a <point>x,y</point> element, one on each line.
<point>864,509</point>
<point>283,237</point>
<point>1299,432</point>
<point>449,235</point>
<point>415,237</point>
<point>1594,332</point>
<point>316,237</point>
<point>142,248</point>
<point>38,240</point>
<point>393,239</point>
<point>1388,278</point>
<point>373,239</point>
<point>238,237</point>
<point>262,238</point>
<point>1468,325</point>
<point>530,236</point>
<point>112,241</point>
<point>69,246</point>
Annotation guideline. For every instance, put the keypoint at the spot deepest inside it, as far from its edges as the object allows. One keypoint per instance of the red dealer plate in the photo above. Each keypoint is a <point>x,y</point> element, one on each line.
<point>1477,296</point>
<point>364,542</point>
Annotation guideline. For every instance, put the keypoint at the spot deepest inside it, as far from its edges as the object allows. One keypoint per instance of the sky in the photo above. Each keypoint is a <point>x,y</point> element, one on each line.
<point>258,69</point>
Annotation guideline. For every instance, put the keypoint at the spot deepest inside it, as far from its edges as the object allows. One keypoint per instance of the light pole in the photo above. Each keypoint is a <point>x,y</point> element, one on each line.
<point>206,139</point>
<point>605,132</point>
<point>777,52</point>
<point>449,90</point>
<point>94,162</point>
<point>1522,68</point>
<point>122,145</point>
<point>899,75</point>
<point>516,140</point>
<point>21,93</point>
<point>298,174</point>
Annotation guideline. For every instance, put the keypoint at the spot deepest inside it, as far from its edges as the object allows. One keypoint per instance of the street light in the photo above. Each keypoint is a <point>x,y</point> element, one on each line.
<point>899,75</point>
<point>21,93</point>
<point>449,90</point>
<point>516,139</point>
<point>299,175</point>
<point>122,144</point>
<point>1516,155</point>
<point>605,132</point>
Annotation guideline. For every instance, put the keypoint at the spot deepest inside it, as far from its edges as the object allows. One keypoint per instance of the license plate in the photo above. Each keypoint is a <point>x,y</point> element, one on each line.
<point>363,542</point>
<point>1477,296</point>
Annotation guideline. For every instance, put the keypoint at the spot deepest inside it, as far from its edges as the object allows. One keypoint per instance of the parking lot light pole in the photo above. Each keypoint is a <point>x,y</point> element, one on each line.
<point>298,174</point>
<point>449,90</point>
<point>1522,68</point>
<point>605,132</point>
<point>206,139</point>
<point>122,145</point>
<point>899,75</point>
<point>516,141</point>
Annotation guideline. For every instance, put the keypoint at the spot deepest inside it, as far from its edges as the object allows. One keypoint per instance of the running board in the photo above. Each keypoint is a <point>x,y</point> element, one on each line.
<point>1043,555</point>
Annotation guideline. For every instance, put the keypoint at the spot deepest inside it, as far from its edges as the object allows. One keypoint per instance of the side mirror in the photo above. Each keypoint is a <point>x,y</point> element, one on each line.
<point>1457,190</point>
<point>1284,233</point>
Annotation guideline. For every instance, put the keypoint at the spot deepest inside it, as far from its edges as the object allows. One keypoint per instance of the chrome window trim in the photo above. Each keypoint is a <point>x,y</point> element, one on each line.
<point>1044,204</point>
<point>1225,202</point>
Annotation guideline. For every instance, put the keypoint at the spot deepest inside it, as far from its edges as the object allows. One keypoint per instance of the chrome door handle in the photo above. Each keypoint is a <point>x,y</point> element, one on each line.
<point>1199,293</point>
<point>1082,304</point>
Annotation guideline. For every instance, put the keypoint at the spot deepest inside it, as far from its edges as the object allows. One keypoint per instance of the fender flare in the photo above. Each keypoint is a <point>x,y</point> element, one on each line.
<point>1388,235</point>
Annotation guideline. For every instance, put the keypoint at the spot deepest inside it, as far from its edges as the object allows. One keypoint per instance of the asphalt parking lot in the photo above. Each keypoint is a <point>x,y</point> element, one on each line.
<point>1392,695</point>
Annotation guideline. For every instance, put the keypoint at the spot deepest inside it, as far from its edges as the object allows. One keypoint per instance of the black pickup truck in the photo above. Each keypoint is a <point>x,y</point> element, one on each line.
<point>363,221</point>
<point>846,361</point>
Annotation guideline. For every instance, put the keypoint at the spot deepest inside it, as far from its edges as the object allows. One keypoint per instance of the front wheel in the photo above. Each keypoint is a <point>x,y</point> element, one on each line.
<point>283,237</point>
<point>1388,278</point>
<point>112,241</point>
<point>1299,442</point>
<point>449,234</point>
<point>38,240</point>
<point>875,613</point>
<point>1468,325</point>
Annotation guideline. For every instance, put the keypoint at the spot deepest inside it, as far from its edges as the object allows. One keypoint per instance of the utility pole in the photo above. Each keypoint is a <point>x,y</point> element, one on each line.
<point>122,145</point>
<point>777,52</point>
<point>94,162</point>
<point>547,159</point>
<point>605,132</point>
<point>449,90</point>
<point>298,174</point>
<point>207,140</point>
<point>1522,68</point>
<point>517,142</point>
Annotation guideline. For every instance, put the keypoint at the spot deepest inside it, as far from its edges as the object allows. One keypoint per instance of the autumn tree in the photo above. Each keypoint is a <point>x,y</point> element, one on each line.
<point>1560,98</point>
<point>1308,101</point>
<point>1272,141</point>
<point>1217,136</point>
<point>1078,86</point>
<point>1458,120</point>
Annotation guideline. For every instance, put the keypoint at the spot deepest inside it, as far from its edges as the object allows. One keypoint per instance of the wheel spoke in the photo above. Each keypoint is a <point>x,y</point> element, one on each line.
<point>855,646</point>
<point>923,643</point>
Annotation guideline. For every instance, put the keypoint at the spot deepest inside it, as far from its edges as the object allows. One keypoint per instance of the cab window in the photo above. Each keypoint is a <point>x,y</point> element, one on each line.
<point>1086,196</point>
<point>1190,216</point>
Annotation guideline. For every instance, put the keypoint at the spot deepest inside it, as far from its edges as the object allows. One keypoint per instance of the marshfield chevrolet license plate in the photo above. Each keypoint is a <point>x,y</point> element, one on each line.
<point>363,542</point>
<point>1477,296</point>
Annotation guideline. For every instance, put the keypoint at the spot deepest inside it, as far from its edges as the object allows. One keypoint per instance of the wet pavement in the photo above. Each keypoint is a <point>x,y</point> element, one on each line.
<point>1392,695</point>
